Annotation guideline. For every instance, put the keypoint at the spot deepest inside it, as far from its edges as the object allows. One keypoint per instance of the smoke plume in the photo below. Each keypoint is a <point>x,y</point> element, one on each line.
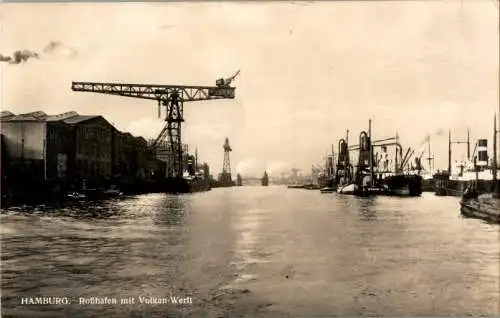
<point>426,139</point>
<point>19,57</point>
<point>53,48</point>
<point>438,132</point>
<point>56,47</point>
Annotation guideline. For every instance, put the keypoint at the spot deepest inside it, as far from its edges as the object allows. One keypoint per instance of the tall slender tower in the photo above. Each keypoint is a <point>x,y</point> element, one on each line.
<point>226,165</point>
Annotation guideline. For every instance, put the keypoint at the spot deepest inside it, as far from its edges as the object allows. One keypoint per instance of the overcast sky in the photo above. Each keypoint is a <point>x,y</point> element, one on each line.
<point>309,71</point>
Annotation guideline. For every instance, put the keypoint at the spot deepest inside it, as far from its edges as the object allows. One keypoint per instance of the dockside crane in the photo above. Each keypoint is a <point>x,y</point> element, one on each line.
<point>172,98</point>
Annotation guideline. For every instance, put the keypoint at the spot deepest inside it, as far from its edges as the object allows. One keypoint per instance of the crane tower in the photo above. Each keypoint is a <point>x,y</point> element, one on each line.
<point>225,177</point>
<point>172,98</point>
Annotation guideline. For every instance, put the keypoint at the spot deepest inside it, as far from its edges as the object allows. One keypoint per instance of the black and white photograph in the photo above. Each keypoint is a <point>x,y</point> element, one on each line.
<point>250,158</point>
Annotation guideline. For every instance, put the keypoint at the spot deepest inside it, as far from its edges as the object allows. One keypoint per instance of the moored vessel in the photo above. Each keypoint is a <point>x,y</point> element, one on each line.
<point>372,174</point>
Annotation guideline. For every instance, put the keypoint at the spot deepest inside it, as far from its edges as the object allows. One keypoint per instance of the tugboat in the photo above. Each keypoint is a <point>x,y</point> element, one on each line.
<point>265,179</point>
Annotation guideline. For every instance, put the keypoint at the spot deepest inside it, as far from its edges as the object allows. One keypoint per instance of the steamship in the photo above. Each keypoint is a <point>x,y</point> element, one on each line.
<point>475,204</point>
<point>456,179</point>
<point>370,177</point>
<point>194,178</point>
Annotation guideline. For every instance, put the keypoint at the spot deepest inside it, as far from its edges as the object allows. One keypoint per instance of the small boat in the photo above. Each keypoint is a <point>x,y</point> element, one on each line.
<point>327,190</point>
<point>311,186</point>
<point>112,193</point>
<point>348,189</point>
<point>76,196</point>
<point>296,186</point>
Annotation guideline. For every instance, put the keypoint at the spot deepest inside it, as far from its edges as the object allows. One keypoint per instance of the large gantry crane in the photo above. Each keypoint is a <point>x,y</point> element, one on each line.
<point>172,97</point>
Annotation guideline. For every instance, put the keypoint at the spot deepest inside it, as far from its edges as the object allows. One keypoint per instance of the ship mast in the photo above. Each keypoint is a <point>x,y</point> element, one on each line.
<point>333,161</point>
<point>494,164</point>
<point>371,151</point>
<point>430,159</point>
<point>468,145</point>
<point>449,152</point>
<point>396,168</point>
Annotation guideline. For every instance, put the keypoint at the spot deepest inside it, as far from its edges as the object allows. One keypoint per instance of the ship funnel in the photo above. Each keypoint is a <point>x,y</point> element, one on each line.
<point>482,152</point>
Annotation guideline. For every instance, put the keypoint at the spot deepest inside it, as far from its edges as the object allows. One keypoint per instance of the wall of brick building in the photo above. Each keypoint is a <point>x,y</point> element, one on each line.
<point>93,145</point>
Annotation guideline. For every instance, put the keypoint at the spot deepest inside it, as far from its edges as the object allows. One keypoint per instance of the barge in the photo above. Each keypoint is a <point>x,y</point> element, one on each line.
<point>485,207</point>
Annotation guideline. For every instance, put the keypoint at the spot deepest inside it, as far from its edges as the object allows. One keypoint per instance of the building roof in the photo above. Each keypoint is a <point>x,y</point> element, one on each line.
<point>37,115</point>
<point>33,116</point>
<point>79,118</point>
<point>127,135</point>
<point>62,116</point>
<point>5,114</point>
<point>71,118</point>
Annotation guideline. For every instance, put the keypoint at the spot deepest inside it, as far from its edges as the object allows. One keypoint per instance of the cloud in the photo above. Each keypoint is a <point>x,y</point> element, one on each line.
<point>249,167</point>
<point>145,127</point>
<point>276,168</point>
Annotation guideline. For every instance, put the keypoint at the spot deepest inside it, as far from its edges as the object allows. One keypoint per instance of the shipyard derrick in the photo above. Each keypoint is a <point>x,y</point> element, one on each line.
<point>171,98</point>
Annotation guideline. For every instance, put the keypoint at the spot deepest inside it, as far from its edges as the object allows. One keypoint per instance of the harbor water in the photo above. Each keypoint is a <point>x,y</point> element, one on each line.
<point>250,251</point>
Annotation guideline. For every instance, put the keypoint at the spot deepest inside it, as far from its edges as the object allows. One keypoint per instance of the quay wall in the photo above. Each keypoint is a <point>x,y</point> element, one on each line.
<point>44,157</point>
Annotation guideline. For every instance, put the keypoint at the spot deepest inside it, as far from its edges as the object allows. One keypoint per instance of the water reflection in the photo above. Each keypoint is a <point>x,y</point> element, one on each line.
<point>278,250</point>
<point>170,210</point>
<point>367,208</point>
<point>77,210</point>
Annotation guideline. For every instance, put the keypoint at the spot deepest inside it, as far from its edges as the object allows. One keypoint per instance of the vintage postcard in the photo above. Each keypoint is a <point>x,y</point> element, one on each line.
<point>250,159</point>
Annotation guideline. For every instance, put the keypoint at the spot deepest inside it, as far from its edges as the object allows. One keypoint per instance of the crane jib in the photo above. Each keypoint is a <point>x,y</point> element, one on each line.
<point>156,92</point>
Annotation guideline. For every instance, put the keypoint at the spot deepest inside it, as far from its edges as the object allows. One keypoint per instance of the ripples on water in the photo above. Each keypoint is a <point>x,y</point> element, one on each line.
<point>253,251</point>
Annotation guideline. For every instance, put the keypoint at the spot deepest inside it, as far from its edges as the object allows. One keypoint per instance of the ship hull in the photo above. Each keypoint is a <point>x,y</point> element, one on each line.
<point>428,185</point>
<point>181,185</point>
<point>404,185</point>
<point>456,188</point>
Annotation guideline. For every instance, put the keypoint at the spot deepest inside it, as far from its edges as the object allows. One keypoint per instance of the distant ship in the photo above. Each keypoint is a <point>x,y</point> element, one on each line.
<point>265,179</point>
